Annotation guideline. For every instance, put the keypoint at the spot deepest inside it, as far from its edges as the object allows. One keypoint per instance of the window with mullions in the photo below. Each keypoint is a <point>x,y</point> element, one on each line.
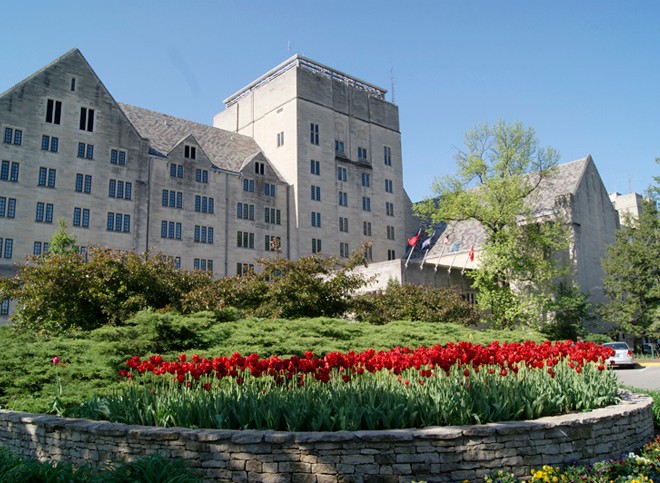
<point>83,183</point>
<point>366,203</point>
<point>339,146</point>
<point>244,268</point>
<point>342,198</point>
<point>388,185</point>
<point>4,307</point>
<point>85,151</point>
<point>81,217</point>
<point>366,228</point>
<point>387,155</point>
<point>44,212</point>
<point>366,180</point>
<point>244,239</point>
<point>273,243</point>
<point>342,173</point>
<point>259,168</point>
<point>248,185</point>
<point>118,157</point>
<point>189,152</point>
<point>315,167</point>
<point>13,136</point>
<point>86,119</point>
<point>391,255</point>
<point>203,264</point>
<point>50,143</point>
<point>118,222</point>
<point>316,219</point>
<point>389,208</point>
<point>120,189</point>
<point>316,245</point>
<point>343,224</point>
<point>7,250</point>
<point>170,229</point>
<point>273,215</point>
<point>245,211</point>
<point>314,133</point>
<point>316,193</point>
<point>172,199</point>
<point>53,111</point>
<point>176,170</point>
<point>280,139</point>
<point>362,153</point>
<point>344,251</point>
<point>390,233</point>
<point>269,189</point>
<point>204,204</point>
<point>201,175</point>
<point>203,234</point>
<point>37,248</point>
<point>9,171</point>
<point>7,207</point>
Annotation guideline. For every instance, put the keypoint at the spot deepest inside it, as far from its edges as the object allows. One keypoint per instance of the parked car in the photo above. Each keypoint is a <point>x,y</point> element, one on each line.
<point>623,356</point>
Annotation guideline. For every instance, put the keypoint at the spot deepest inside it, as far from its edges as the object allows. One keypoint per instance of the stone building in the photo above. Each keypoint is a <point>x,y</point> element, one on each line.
<point>305,159</point>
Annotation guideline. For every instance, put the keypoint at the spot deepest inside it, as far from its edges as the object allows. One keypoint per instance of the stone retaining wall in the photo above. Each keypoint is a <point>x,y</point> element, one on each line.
<point>438,454</point>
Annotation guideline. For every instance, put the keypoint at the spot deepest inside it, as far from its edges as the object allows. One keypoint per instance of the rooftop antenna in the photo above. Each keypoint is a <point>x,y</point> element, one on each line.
<point>392,82</point>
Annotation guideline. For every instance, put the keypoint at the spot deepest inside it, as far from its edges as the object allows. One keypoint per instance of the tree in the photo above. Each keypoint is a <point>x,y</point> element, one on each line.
<point>632,275</point>
<point>499,176</point>
<point>62,242</point>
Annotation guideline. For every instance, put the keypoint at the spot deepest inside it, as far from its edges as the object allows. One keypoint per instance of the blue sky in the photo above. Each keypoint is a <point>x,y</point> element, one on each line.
<point>585,75</point>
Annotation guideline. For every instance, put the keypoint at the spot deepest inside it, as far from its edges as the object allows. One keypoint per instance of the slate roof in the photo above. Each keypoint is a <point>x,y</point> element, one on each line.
<point>225,149</point>
<point>565,180</point>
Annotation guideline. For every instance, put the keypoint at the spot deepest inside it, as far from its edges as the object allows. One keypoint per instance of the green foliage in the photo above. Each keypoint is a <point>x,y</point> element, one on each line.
<point>62,242</point>
<point>90,360</point>
<point>415,302</point>
<point>64,291</point>
<point>382,400</point>
<point>312,286</point>
<point>632,275</point>
<point>154,468</point>
<point>497,183</point>
<point>570,308</point>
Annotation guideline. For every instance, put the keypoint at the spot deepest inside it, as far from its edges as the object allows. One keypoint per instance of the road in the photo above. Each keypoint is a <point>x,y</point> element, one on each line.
<point>643,377</point>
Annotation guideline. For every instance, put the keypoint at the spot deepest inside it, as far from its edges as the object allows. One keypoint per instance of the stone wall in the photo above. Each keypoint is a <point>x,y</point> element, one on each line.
<point>439,454</point>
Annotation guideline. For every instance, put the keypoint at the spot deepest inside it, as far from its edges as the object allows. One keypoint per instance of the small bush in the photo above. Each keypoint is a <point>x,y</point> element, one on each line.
<point>415,302</point>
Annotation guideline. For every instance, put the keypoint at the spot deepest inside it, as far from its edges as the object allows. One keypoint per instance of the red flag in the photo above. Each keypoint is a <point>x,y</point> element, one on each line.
<point>471,255</point>
<point>412,241</point>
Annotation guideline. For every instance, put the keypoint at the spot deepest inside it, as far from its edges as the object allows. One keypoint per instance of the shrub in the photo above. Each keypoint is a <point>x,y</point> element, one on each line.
<point>415,302</point>
<point>67,291</point>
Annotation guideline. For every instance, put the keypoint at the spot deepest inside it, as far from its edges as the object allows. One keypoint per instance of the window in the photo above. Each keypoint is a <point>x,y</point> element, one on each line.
<point>390,233</point>
<point>122,189</point>
<point>315,167</point>
<point>316,245</point>
<point>314,133</point>
<point>259,168</point>
<point>81,217</point>
<point>343,224</point>
<point>366,180</point>
<point>280,139</point>
<point>53,111</point>
<point>342,173</point>
<point>366,203</point>
<point>4,307</point>
<point>170,229</point>
<point>339,146</point>
<point>203,264</point>
<point>204,204</point>
<point>86,119</point>
<point>362,153</point>
<point>83,183</point>
<point>273,244</point>
<point>170,198</point>
<point>344,252</point>
<point>368,253</point>
<point>7,207</point>
<point>248,185</point>
<point>366,228</point>
<point>73,84</point>
<point>118,222</point>
<point>83,252</point>
<point>204,234</point>
<point>8,247</point>
<point>316,193</point>
<point>269,189</point>
<point>47,177</point>
<point>36,249</point>
<point>176,170</point>
<point>85,151</point>
<point>316,219</point>
<point>342,198</point>
<point>272,215</point>
<point>245,211</point>
<point>118,157</point>
<point>49,143</point>
<point>244,268</point>
<point>44,212</point>
<point>388,185</point>
<point>13,136</point>
<point>201,175</point>
<point>391,255</point>
<point>9,171</point>
<point>387,155</point>
<point>189,152</point>
<point>389,208</point>
<point>244,239</point>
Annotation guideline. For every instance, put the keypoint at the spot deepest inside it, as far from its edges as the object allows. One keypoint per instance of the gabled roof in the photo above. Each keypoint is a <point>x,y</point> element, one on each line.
<point>226,150</point>
<point>565,180</point>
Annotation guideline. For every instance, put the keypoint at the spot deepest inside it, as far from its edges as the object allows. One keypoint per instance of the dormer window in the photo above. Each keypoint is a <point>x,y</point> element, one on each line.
<point>259,168</point>
<point>189,152</point>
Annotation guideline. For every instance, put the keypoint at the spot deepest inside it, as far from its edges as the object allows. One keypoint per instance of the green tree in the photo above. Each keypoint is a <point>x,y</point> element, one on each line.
<point>62,242</point>
<point>632,275</point>
<point>499,177</point>
<point>569,309</point>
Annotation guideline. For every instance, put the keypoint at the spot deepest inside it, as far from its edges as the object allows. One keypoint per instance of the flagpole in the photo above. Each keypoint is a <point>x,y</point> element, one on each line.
<point>421,265</point>
<point>442,252</point>
<point>452,263</point>
<point>412,249</point>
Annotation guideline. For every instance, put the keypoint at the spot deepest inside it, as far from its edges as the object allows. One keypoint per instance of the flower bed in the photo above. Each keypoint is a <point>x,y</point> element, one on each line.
<point>460,383</point>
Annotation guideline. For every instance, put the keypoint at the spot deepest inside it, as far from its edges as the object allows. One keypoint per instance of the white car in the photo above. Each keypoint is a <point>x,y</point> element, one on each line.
<point>623,356</point>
